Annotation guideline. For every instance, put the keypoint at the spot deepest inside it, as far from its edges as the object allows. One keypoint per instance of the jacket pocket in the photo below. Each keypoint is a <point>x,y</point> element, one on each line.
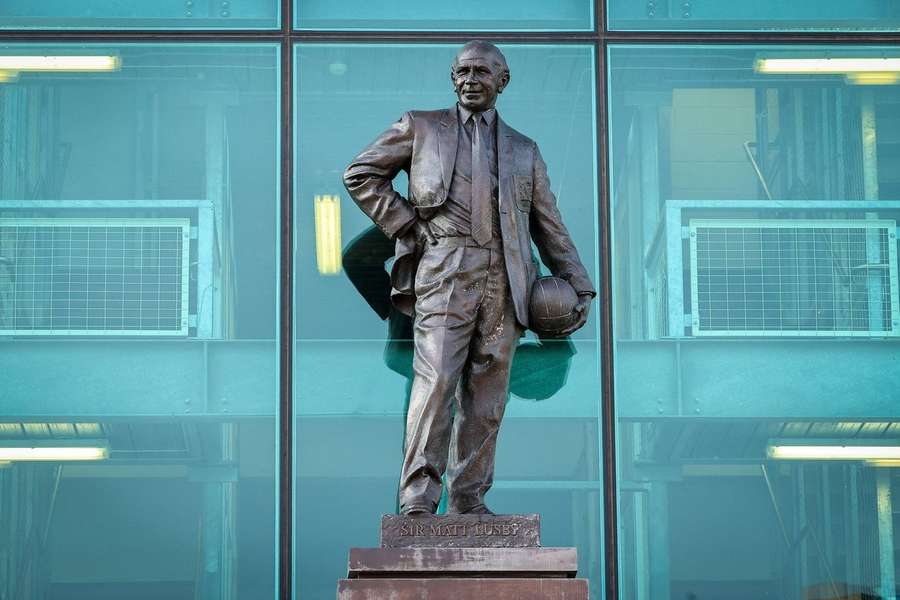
<point>524,189</point>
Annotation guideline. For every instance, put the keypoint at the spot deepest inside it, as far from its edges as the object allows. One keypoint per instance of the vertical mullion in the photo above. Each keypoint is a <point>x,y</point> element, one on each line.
<point>607,403</point>
<point>285,559</point>
<point>600,25</point>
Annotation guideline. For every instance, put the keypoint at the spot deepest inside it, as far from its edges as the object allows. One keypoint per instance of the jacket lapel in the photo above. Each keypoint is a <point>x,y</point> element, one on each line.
<point>505,163</point>
<point>448,138</point>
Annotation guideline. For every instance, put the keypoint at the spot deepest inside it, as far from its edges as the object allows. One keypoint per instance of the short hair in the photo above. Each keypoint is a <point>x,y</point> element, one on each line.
<point>485,48</point>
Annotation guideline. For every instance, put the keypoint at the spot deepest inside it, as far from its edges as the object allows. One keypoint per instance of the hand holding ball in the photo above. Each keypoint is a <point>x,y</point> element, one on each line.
<point>555,308</point>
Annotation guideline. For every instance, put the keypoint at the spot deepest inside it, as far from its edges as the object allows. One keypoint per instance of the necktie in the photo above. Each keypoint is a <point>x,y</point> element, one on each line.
<point>481,186</point>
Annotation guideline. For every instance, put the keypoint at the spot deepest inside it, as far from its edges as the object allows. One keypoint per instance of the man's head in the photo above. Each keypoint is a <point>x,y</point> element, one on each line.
<point>479,73</point>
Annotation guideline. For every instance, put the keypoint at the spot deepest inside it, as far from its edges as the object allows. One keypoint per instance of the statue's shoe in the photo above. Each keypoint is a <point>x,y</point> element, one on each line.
<point>478,509</point>
<point>416,509</point>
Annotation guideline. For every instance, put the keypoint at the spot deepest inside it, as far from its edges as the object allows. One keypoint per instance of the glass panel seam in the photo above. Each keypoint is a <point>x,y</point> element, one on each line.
<point>611,566</point>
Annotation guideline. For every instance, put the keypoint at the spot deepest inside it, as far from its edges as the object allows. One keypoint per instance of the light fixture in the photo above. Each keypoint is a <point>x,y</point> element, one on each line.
<point>328,234</point>
<point>833,451</point>
<point>11,66</point>
<point>53,451</point>
<point>71,64</point>
<point>833,66</point>
<point>873,78</point>
<point>858,71</point>
<point>883,463</point>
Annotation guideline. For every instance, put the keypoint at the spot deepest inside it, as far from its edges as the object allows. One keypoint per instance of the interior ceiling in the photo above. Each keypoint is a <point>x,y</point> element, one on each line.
<point>131,441</point>
<point>713,441</point>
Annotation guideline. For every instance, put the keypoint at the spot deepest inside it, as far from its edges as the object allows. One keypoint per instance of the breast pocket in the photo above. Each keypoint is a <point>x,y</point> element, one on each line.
<point>524,187</point>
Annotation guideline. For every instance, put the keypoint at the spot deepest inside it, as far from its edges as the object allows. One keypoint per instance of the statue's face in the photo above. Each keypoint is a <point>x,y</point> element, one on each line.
<point>478,80</point>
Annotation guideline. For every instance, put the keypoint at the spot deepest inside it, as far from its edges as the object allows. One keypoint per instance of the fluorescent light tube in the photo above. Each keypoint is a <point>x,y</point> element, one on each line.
<point>50,453</point>
<point>59,63</point>
<point>873,78</point>
<point>328,234</point>
<point>812,452</point>
<point>827,66</point>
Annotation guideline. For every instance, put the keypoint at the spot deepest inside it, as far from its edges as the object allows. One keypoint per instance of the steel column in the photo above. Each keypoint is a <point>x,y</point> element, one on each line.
<point>884,499</point>
<point>658,541</point>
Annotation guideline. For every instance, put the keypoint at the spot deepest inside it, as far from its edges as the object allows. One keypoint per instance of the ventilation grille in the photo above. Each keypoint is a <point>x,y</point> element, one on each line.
<point>94,276</point>
<point>794,278</point>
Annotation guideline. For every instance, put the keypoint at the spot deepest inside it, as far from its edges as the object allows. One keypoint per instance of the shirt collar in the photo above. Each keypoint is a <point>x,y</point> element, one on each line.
<point>489,115</point>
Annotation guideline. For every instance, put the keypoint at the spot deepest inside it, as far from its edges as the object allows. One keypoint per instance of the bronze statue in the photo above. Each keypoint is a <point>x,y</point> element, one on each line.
<point>478,197</point>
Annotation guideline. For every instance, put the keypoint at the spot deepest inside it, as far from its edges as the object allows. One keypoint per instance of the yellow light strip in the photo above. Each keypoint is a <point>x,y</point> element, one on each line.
<point>15,454</point>
<point>883,463</point>
<point>328,234</point>
<point>873,78</point>
<point>834,452</point>
<point>60,63</point>
<point>827,66</point>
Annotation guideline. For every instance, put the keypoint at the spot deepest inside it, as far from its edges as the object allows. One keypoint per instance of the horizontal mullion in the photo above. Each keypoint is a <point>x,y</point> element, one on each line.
<point>744,37</point>
<point>448,36</point>
<point>271,35</point>
<point>119,35</point>
<point>294,36</point>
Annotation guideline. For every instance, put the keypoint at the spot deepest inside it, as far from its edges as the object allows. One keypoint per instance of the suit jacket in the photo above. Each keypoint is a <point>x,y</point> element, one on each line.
<point>423,143</point>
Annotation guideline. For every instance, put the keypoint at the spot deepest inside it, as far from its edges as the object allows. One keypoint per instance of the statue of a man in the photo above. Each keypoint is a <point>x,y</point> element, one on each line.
<point>478,197</point>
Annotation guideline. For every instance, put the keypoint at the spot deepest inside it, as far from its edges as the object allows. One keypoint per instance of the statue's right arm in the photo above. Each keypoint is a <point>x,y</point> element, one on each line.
<point>369,178</point>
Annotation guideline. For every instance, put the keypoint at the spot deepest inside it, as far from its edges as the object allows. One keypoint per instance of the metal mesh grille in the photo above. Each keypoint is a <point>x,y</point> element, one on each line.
<point>794,278</point>
<point>93,277</point>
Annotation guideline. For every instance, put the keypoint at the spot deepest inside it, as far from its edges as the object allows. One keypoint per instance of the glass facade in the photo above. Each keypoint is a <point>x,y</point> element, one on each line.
<point>171,426</point>
<point>159,14</point>
<point>755,288</point>
<point>431,15</point>
<point>138,209</point>
<point>762,15</point>
<point>353,355</point>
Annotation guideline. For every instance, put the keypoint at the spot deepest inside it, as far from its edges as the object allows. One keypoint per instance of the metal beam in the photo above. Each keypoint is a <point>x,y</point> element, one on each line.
<point>101,379</point>
<point>766,379</point>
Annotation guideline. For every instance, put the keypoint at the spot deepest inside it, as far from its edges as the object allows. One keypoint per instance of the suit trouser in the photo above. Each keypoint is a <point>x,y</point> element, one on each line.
<point>465,334</point>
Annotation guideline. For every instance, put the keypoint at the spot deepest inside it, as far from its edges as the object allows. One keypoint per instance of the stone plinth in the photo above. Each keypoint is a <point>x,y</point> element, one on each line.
<point>462,562</point>
<point>463,589</point>
<point>462,557</point>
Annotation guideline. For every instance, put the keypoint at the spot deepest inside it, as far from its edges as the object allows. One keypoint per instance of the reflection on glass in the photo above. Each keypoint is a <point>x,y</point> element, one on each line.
<point>430,15</point>
<point>114,14</point>
<point>354,350</point>
<point>755,208</point>
<point>761,15</point>
<point>328,234</point>
<point>138,223</point>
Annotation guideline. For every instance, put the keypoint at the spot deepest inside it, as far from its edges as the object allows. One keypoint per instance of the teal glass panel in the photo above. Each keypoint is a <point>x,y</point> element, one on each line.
<point>158,14</point>
<point>433,15</point>
<point>760,15</point>
<point>138,260</point>
<point>756,319</point>
<point>353,358</point>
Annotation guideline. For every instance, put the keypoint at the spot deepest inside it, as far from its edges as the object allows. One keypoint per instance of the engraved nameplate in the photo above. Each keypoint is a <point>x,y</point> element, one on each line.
<point>460,531</point>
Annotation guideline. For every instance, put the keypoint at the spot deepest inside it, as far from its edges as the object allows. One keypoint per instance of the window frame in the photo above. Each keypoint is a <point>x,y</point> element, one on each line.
<point>286,36</point>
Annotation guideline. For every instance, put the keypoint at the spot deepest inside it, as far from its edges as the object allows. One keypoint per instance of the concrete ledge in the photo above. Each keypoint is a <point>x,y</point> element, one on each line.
<point>462,589</point>
<point>463,562</point>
